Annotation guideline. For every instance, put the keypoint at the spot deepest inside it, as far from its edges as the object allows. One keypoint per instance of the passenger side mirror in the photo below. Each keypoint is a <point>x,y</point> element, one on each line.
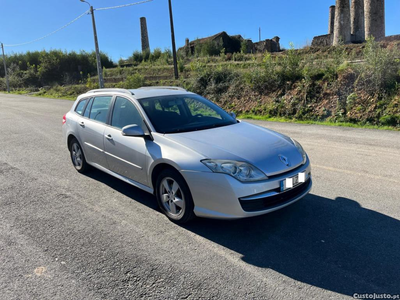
<point>133,130</point>
<point>233,115</point>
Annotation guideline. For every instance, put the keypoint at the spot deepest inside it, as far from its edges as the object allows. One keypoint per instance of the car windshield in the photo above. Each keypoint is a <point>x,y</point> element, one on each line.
<point>182,113</point>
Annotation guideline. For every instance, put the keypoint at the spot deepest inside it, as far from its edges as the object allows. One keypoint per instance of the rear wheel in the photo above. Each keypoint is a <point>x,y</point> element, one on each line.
<point>77,156</point>
<point>174,197</point>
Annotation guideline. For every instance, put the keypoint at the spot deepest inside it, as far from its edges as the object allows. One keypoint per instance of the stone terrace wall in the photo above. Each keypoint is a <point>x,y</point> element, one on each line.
<point>322,40</point>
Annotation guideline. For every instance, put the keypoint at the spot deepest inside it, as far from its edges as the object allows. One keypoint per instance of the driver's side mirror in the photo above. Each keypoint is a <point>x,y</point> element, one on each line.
<point>133,130</point>
<point>233,115</point>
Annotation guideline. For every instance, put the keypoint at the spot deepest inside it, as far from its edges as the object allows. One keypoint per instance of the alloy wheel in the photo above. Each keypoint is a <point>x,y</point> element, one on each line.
<point>76,155</point>
<point>172,197</point>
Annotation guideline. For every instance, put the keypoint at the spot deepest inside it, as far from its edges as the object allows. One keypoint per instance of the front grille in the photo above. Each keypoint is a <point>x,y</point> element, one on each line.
<point>286,172</point>
<point>276,200</point>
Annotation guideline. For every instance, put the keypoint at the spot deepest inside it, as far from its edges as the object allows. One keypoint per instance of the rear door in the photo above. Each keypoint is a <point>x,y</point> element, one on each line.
<point>91,129</point>
<point>126,155</point>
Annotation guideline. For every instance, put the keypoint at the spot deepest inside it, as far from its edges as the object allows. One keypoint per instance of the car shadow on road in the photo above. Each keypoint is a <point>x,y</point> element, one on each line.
<point>334,244</point>
<point>124,188</point>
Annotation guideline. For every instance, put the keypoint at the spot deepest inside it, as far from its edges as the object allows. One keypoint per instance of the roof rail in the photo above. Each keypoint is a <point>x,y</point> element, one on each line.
<point>111,90</point>
<point>177,88</point>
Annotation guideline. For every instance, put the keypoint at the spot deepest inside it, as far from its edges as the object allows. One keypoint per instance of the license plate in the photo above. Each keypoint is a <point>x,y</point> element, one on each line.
<point>292,182</point>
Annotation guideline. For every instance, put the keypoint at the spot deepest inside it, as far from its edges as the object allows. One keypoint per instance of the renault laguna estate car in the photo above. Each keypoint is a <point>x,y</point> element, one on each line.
<point>197,159</point>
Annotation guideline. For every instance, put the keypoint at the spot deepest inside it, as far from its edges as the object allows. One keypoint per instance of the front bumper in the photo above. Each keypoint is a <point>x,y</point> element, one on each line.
<point>221,196</point>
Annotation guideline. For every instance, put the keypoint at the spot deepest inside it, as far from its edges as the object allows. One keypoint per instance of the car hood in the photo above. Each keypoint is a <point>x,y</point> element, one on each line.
<point>243,142</point>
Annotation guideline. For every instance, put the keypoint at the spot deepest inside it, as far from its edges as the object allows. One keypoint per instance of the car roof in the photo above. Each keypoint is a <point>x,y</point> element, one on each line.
<point>140,93</point>
<point>154,92</point>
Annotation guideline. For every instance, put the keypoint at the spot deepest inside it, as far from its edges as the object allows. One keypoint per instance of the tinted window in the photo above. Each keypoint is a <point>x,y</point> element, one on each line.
<point>199,109</point>
<point>125,113</point>
<point>81,105</point>
<point>87,110</point>
<point>100,108</point>
<point>182,113</point>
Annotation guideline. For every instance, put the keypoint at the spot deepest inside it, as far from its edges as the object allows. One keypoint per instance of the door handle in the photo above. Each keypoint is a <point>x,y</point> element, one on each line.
<point>82,124</point>
<point>108,137</point>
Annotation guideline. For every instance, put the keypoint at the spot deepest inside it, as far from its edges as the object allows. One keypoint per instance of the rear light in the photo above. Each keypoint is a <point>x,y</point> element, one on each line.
<point>64,119</point>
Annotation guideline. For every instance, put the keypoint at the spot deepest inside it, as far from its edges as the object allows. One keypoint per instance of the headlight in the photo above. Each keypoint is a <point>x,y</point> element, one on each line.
<point>301,150</point>
<point>242,171</point>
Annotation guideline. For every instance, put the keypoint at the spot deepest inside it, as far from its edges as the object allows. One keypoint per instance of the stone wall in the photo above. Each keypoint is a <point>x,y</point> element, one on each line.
<point>391,38</point>
<point>232,44</point>
<point>267,46</point>
<point>322,40</point>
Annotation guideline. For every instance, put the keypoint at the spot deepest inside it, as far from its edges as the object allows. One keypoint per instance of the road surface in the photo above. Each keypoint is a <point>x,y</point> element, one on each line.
<point>64,235</point>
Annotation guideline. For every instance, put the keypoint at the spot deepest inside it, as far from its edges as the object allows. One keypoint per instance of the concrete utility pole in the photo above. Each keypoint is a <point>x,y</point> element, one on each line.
<point>5,68</point>
<point>173,41</point>
<point>96,44</point>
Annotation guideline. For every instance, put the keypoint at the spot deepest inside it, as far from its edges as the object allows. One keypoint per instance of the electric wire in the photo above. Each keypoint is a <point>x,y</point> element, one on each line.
<point>49,34</point>
<point>73,21</point>
<point>124,5</point>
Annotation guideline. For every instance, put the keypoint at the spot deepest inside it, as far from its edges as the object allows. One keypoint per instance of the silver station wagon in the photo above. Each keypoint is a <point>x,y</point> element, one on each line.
<point>197,159</point>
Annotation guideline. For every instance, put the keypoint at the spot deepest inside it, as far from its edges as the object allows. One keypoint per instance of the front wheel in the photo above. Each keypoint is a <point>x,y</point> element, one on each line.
<point>174,197</point>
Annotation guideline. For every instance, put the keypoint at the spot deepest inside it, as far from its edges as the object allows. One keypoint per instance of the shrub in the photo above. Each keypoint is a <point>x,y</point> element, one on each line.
<point>238,56</point>
<point>181,66</point>
<point>207,48</point>
<point>243,46</point>
<point>156,54</point>
<point>290,66</point>
<point>390,120</point>
<point>146,55</point>
<point>214,81</point>
<point>137,57</point>
<point>132,82</point>
<point>379,72</point>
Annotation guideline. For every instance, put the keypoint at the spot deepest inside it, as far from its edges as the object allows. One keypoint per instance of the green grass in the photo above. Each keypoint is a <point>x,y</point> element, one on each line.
<point>40,94</point>
<point>19,92</point>
<point>54,96</point>
<point>326,123</point>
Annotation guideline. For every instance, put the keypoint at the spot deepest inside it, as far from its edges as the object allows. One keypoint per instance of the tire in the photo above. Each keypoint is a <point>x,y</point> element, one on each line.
<point>174,197</point>
<point>77,157</point>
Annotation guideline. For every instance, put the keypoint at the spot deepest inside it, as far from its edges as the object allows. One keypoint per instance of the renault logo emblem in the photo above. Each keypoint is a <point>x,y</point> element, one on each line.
<point>284,159</point>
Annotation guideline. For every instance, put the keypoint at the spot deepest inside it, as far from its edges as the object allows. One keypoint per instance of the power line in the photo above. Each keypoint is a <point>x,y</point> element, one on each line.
<point>73,21</point>
<point>51,33</point>
<point>124,5</point>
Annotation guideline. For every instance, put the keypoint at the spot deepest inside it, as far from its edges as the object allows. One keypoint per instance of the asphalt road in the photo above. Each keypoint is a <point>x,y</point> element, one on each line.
<point>69,236</point>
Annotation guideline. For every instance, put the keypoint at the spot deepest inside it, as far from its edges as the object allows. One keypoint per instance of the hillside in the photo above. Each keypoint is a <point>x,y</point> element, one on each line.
<point>353,83</point>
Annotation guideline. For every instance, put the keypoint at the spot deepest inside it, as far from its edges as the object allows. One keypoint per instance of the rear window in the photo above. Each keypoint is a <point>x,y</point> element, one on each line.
<point>81,105</point>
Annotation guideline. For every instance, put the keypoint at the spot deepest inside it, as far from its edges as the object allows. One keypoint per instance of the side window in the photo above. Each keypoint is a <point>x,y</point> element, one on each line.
<point>100,108</point>
<point>81,105</point>
<point>125,113</point>
<point>87,110</point>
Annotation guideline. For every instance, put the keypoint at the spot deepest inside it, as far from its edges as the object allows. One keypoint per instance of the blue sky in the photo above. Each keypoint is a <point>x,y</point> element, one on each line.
<point>119,29</point>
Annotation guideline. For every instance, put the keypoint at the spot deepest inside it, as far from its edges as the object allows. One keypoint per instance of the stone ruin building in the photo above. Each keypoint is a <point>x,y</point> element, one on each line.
<point>232,44</point>
<point>353,23</point>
